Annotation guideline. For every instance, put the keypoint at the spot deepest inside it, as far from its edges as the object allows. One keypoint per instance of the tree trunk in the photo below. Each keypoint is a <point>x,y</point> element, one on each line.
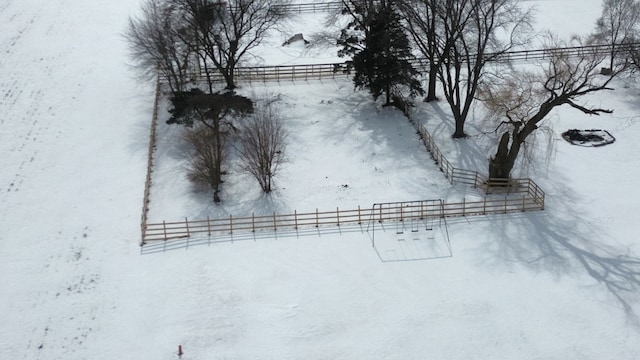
<point>459,133</point>
<point>209,81</point>
<point>502,163</point>
<point>229,79</point>
<point>218,158</point>
<point>431,87</point>
<point>230,76</point>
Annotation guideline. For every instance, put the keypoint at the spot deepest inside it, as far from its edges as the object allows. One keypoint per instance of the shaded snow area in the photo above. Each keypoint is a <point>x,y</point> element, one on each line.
<point>74,127</point>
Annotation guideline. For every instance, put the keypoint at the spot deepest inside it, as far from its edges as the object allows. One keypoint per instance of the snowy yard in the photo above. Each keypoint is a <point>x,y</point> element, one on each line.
<point>74,126</point>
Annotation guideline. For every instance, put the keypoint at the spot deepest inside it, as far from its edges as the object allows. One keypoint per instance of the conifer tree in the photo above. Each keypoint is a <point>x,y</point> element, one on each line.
<point>380,50</point>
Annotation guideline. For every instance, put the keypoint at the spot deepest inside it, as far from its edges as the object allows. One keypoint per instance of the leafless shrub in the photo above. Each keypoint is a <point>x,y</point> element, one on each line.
<point>262,140</point>
<point>204,161</point>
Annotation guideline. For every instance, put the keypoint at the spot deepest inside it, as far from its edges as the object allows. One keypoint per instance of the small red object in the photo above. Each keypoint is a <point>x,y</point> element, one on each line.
<point>180,350</point>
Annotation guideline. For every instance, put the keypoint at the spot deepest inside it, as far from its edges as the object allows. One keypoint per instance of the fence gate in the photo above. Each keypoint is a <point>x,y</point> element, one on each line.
<point>409,231</point>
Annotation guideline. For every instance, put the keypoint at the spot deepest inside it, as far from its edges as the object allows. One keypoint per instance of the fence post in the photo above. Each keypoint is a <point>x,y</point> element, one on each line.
<point>230,224</point>
<point>275,228</point>
<point>253,222</point>
<point>464,206</point>
<point>186,222</point>
<point>338,215</point>
<point>317,224</point>
<point>209,230</point>
<point>523,204</point>
<point>164,227</point>
<point>359,220</point>
<point>505,204</point>
<point>484,206</point>
<point>295,219</point>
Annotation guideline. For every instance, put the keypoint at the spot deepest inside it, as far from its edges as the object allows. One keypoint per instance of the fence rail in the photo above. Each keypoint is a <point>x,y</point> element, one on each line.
<point>152,145</point>
<point>541,54</point>
<point>309,7</point>
<point>308,72</point>
<point>392,212</point>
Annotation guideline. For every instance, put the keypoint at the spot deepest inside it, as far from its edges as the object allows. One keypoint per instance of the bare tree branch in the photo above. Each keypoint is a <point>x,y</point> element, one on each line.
<point>526,98</point>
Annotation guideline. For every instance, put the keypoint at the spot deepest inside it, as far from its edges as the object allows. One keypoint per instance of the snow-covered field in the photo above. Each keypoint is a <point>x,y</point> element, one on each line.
<point>561,284</point>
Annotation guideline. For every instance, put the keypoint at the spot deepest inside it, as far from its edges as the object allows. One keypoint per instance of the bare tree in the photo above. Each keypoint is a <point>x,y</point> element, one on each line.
<point>205,158</point>
<point>422,24</point>
<point>226,31</point>
<point>214,112</point>
<point>262,145</point>
<point>521,100</point>
<point>618,25</point>
<point>458,38</point>
<point>473,27</point>
<point>158,44</point>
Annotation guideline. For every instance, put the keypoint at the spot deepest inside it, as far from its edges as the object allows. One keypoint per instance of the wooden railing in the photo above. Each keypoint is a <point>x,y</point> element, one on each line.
<point>152,145</point>
<point>309,7</point>
<point>308,72</point>
<point>541,54</point>
<point>474,178</point>
<point>287,72</point>
<point>401,211</point>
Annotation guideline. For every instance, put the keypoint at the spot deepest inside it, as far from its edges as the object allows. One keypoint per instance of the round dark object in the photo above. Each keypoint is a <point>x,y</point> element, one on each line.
<point>593,137</point>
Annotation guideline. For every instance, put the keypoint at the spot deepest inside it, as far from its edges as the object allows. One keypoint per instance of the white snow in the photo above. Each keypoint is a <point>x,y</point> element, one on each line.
<point>74,127</point>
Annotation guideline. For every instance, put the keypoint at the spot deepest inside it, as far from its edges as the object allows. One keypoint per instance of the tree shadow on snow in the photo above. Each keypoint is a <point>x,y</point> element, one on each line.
<point>467,153</point>
<point>559,240</point>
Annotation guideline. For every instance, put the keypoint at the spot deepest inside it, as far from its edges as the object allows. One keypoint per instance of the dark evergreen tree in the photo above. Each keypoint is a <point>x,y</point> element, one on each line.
<point>380,50</point>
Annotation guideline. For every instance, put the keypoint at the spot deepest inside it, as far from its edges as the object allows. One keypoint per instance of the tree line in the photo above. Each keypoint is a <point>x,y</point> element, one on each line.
<point>181,39</point>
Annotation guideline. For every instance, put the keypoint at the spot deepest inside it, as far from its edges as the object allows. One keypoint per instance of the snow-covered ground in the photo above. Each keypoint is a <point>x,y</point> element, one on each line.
<point>74,125</point>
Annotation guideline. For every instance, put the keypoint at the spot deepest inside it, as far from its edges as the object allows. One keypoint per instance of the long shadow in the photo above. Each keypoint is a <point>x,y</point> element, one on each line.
<point>563,242</point>
<point>619,272</point>
<point>469,154</point>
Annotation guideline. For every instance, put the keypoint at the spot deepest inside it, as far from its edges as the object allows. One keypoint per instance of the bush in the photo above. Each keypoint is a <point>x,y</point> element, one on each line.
<point>262,141</point>
<point>205,159</point>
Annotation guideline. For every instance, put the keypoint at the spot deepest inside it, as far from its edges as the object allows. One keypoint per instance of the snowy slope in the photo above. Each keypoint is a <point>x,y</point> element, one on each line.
<point>74,284</point>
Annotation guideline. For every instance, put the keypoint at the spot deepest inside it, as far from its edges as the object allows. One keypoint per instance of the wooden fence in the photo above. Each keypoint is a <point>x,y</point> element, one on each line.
<point>518,195</point>
<point>474,178</point>
<point>309,7</point>
<point>391,212</point>
<point>152,146</point>
<point>308,72</point>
